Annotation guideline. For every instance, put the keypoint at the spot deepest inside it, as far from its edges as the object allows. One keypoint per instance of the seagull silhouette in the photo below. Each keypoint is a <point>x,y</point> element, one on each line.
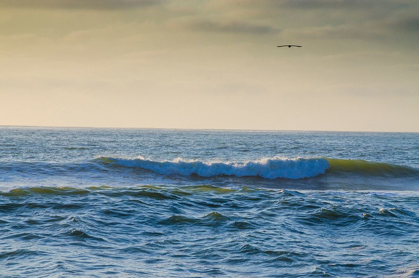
<point>289,45</point>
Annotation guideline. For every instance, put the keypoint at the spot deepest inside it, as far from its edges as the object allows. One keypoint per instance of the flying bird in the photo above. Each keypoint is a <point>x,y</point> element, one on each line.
<point>289,45</point>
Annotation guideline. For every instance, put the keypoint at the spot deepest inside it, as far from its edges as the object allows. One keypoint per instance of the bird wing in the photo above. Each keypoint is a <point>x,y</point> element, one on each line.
<point>289,45</point>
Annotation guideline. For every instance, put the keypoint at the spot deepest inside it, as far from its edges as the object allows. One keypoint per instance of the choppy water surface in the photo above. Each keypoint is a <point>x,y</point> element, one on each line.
<point>106,203</point>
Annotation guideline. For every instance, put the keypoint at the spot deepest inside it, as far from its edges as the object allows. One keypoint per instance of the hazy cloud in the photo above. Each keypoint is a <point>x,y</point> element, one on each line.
<point>341,33</point>
<point>340,4</point>
<point>232,27</point>
<point>79,4</point>
<point>408,24</point>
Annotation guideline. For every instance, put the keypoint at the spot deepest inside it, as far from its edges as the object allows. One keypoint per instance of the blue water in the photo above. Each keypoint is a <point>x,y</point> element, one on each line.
<point>174,203</point>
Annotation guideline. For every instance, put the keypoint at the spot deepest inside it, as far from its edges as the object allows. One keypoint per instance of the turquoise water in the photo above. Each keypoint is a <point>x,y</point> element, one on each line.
<point>170,203</point>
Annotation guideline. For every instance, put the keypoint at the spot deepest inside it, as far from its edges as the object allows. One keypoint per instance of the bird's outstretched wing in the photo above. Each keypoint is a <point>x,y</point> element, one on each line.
<point>289,45</point>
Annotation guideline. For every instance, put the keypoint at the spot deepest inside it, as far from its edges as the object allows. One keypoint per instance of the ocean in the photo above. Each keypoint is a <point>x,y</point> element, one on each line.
<point>92,202</point>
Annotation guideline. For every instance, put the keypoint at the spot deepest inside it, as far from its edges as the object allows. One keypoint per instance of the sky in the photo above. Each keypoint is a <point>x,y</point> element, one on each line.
<point>211,64</point>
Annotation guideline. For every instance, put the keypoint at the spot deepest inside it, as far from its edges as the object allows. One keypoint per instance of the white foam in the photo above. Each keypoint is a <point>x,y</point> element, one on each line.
<point>269,168</point>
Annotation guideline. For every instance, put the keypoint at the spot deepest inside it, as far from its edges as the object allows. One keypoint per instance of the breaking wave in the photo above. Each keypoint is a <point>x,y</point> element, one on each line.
<point>268,168</point>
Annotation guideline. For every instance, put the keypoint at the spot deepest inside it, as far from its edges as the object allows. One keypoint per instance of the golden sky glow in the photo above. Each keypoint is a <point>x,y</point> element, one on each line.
<point>211,64</point>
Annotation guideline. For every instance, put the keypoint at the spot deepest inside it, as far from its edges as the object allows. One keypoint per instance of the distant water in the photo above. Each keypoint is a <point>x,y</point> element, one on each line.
<point>170,203</point>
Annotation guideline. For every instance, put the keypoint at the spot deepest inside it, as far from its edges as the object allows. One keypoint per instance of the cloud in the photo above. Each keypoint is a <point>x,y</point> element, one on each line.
<point>79,4</point>
<point>409,24</point>
<point>341,4</point>
<point>232,27</point>
<point>375,90</point>
<point>341,33</point>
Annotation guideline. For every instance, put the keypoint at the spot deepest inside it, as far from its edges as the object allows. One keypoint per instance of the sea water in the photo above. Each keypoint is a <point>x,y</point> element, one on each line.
<point>182,203</point>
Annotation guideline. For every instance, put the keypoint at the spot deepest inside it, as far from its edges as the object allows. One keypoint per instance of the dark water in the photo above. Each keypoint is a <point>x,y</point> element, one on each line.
<point>161,203</point>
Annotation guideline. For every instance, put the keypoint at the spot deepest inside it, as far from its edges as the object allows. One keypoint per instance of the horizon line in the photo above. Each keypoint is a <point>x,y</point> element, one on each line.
<point>205,129</point>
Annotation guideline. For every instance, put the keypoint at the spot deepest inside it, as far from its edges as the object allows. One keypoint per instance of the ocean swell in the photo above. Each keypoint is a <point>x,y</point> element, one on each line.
<point>268,168</point>
<point>370,168</point>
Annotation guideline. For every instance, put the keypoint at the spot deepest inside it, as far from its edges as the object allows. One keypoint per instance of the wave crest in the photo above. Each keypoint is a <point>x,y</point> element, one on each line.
<point>268,168</point>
